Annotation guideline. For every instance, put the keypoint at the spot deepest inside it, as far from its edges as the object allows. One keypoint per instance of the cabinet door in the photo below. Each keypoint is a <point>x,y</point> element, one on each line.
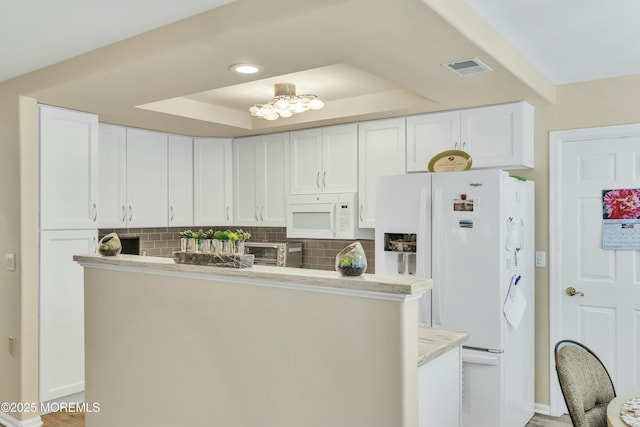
<point>147,195</point>
<point>112,188</point>
<point>440,390</point>
<point>499,136</point>
<point>275,180</point>
<point>247,170</point>
<point>340,159</point>
<point>212,181</point>
<point>305,151</point>
<point>180,181</point>
<point>381,151</point>
<point>62,311</point>
<point>68,169</point>
<point>430,134</point>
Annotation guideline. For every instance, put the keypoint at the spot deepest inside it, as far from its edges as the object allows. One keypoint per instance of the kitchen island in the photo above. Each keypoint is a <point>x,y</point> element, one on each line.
<point>171,344</point>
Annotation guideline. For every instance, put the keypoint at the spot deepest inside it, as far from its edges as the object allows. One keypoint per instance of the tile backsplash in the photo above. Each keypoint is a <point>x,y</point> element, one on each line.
<point>317,254</point>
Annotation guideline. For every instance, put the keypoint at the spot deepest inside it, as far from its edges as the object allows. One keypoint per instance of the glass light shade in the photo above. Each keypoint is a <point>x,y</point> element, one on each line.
<point>285,103</point>
<point>316,104</point>
<point>282,104</point>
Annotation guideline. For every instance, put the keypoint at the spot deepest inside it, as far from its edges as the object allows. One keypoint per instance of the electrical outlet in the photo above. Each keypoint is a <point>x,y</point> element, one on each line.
<point>10,261</point>
<point>541,259</point>
<point>12,346</point>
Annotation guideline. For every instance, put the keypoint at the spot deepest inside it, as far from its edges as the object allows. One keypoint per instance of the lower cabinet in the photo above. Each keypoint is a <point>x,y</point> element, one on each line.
<point>439,390</point>
<point>61,320</point>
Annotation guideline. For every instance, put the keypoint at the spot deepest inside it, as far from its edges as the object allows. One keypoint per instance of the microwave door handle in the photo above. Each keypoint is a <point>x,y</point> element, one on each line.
<point>333,219</point>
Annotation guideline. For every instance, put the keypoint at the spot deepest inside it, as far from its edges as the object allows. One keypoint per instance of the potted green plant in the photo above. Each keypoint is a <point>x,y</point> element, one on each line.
<point>188,242</point>
<point>243,236</point>
<point>202,241</point>
<point>210,236</point>
<point>218,238</point>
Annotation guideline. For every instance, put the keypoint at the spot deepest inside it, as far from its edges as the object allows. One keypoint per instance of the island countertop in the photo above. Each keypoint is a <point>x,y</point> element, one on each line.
<point>323,278</point>
<point>433,342</point>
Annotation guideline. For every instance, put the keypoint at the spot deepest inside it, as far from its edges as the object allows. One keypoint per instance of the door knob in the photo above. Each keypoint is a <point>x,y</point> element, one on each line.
<point>571,291</point>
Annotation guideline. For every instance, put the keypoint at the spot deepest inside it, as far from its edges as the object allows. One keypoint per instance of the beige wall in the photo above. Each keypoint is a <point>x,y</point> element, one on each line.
<point>237,354</point>
<point>591,104</point>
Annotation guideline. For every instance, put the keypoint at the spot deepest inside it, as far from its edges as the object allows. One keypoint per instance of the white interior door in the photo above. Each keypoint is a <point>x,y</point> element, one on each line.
<point>605,313</point>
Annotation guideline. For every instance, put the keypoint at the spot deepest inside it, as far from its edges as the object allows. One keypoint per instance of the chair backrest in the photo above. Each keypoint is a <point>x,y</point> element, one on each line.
<point>586,385</point>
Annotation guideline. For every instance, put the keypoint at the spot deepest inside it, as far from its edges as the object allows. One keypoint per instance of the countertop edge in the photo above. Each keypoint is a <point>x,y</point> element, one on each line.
<point>321,278</point>
<point>433,342</point>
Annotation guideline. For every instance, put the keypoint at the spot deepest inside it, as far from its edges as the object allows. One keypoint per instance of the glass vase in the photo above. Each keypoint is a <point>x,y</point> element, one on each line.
<point>351,261</point>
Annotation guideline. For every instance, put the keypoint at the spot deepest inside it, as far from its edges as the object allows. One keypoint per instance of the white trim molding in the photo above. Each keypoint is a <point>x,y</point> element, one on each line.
<point>8,421</point>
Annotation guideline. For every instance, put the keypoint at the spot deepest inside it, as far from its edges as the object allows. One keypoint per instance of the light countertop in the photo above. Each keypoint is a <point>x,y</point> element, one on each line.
<point>299,276</point>
<point>434,342</point>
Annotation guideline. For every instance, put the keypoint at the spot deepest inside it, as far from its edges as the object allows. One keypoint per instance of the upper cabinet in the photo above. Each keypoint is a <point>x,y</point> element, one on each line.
<point>498,136</point>
<point>212,181</point>
<point>68,169</point>
<point>260,180</point>
<point>112,195</point>
<point>323,160</point>
<point>147,195</point>
<point>381,151</point>
<point>180,187</point>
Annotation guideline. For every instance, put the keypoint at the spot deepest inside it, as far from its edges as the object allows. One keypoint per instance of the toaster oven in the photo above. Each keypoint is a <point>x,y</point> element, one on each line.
<point>277,254</point>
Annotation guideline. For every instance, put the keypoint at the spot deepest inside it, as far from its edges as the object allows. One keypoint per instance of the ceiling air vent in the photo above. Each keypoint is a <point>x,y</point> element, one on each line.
<point>467,67</point>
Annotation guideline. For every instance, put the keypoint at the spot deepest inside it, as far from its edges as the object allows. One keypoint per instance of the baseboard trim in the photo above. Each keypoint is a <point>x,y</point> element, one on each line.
<point>9,421</point>
<point>542,409</point>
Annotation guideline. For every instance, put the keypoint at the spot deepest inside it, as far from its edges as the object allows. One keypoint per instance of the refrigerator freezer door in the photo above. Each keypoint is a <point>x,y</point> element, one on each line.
<point>467,255</point>
<point>483,402</point>
<point>403,206</point>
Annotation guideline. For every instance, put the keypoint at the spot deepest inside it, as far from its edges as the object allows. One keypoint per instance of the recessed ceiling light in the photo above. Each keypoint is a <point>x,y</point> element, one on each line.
<point>246,68</point>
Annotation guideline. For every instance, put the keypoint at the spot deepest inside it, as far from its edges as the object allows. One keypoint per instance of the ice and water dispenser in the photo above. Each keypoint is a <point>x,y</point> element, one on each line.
<point>402,246</point>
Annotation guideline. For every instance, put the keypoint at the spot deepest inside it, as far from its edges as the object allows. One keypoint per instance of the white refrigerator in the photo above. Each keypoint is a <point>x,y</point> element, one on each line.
<point>473,233</point>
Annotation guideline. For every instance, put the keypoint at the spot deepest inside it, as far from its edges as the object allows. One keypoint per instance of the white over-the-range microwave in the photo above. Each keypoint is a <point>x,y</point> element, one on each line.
<point>325,216</point>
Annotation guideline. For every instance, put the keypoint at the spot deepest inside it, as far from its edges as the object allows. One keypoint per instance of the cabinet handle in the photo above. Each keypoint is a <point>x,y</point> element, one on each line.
<point>227,213</point>
<point>124,213</point>
<point>318,179</point>
<point>464,145</point>
<point>324,179</point>
<point>171,211</point>
<point>361,212</point>
<point>257,210</point>
<point>95,212</point>
<point>455,146</point>
<point>94,241</point>
<point>130,213</point>
<point>262,213</point>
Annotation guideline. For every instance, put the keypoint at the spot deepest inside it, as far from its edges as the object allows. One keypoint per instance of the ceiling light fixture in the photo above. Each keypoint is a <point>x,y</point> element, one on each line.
<point>246,68</point>
<point>286,103</point>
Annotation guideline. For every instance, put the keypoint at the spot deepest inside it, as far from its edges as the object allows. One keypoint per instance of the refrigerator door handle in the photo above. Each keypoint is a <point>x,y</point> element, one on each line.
<point>436,248</point>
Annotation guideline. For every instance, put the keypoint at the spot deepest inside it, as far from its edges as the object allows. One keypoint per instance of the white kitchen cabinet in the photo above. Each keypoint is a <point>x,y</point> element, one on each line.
<point>147,194</point>
<point>212,181</point>
<point>496,136</point>
<point>381,151</point>
<point>61,319</point>
<point>112,188</point>
<point>430,134</point>
<point>180,181</point>
<point>68,169</point>
<point>260,180</point>
<point>324,160</point>
<point>439,390</point>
